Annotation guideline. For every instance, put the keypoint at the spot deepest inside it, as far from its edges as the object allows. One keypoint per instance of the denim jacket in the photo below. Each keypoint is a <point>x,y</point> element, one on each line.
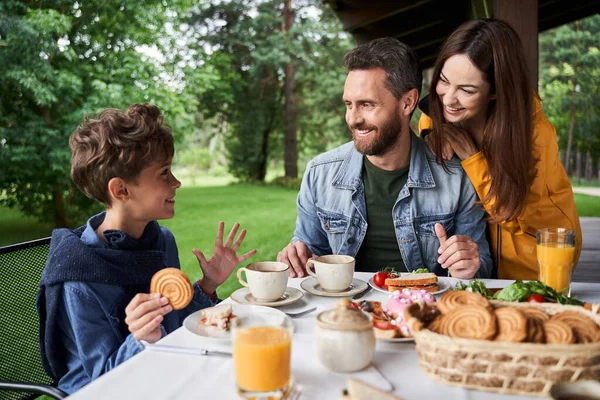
<point>332,210</point>
<point>90,321</point>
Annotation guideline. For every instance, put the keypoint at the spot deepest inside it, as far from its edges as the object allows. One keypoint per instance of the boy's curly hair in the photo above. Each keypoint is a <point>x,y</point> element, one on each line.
<point>117,144</point>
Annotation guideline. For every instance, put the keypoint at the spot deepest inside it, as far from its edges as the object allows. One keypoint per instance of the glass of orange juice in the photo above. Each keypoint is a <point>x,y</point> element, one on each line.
<point>556,255</point>
<point>262,359</point>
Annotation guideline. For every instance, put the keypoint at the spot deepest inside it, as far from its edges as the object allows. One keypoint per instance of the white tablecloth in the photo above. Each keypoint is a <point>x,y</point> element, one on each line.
<point>158,375</point>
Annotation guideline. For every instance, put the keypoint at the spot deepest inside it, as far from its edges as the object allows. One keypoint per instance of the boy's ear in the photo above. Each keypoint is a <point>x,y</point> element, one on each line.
<point>408,102</point>
<point>117,189</point>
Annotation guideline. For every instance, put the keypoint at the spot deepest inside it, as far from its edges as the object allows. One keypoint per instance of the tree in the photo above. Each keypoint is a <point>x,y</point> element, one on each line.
<point>61,60</point>
<point>569,84</point>
<point>243,41</point>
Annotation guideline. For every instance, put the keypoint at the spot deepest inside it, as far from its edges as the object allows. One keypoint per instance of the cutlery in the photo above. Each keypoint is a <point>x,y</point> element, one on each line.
<point>301,313</point>
<point>184,350</point>
<point>361,294</point>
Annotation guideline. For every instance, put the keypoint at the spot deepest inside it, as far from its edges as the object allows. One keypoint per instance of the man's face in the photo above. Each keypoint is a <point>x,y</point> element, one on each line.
<point>372,112</point>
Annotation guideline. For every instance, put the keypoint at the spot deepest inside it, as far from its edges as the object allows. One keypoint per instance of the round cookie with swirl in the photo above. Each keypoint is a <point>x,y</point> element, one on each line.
<point>512,325</point>
<point>174,284</point>
<point>584,328</point>
<point>457,298</point>
<point>558,332</point>
<point>470,322</point>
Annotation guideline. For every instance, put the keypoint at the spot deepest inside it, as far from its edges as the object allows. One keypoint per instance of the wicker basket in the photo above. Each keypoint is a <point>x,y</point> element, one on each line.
<point>503,367</point>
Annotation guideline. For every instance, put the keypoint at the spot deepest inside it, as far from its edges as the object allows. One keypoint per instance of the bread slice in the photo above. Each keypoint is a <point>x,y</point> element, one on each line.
<point>430,288</point>
<point>360,390</point>
<point>428,278</point>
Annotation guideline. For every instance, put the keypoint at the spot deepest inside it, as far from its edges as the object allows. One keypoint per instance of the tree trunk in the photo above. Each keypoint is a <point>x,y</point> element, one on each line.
<point>578,166</point>
<point>588,166</point>
<point>291,140</point>
<point>571,129</point>
<point>60,215</point>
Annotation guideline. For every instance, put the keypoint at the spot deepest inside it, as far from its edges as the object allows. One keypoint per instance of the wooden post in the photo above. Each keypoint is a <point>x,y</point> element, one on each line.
<point>523,16</point>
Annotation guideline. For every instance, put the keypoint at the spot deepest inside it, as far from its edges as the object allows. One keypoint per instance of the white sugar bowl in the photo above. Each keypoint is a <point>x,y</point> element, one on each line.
<point>344,339</point>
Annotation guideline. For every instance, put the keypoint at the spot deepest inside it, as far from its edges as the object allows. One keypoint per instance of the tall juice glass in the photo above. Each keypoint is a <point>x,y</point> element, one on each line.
<point>262,359</point>
<point>556,255</point>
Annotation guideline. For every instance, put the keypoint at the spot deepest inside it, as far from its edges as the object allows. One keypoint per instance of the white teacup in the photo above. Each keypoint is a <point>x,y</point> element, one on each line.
<point>267,280</point>
<point>333,272</point>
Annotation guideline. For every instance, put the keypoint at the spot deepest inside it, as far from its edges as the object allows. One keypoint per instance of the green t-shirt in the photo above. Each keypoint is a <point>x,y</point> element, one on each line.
<point>379,248</point>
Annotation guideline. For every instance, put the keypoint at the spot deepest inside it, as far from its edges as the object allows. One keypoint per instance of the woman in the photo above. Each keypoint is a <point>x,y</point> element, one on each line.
<point>481,107</point>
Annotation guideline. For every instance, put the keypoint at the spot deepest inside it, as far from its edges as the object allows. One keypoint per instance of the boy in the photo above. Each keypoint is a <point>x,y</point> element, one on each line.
<point>93,300</point>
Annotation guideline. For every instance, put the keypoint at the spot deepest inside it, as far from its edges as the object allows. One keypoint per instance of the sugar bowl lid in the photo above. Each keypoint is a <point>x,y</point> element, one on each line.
<point>344,318</point>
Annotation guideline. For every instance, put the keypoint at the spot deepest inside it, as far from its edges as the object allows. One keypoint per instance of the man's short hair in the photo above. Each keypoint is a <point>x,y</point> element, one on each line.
<point>117,144</point>
<point>398,60</point>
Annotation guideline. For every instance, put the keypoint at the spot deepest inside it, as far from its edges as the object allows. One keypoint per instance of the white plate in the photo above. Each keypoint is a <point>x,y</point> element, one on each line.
<point>398,339</point>
<point>248,316</point>
<point>311,285</point>
<point>443,283</point>
<point>243,296</point>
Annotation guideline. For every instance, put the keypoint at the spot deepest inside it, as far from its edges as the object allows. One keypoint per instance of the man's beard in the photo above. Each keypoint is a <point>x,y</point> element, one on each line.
<point>384,138</point>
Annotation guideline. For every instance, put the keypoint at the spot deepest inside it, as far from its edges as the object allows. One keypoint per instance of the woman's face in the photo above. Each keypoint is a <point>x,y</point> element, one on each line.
<point>462,89</point>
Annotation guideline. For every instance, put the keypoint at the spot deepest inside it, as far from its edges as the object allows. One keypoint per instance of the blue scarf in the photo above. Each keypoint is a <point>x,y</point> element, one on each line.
<point>126,262</point>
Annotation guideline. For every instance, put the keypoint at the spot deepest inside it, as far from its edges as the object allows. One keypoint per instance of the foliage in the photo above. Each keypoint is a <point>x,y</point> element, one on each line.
<point>570,80</point>
<point>61,60</point>
<point>248,50</point>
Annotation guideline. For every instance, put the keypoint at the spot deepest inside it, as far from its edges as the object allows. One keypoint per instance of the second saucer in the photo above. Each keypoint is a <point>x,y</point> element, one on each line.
<point>243,296</point>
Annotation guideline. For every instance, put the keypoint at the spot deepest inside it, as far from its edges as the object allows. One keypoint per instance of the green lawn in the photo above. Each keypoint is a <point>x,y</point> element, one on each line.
<point>267,213</point>
<point>587,206</point>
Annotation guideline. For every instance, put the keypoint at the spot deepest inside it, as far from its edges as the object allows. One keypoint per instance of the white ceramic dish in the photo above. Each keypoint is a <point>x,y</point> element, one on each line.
<point>248,316</point>
<point>443,283</point>
<point>311,285</point>
<point>243,296</point>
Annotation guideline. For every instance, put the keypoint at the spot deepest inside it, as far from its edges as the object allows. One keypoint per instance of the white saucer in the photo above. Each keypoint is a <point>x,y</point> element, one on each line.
<point>243,296</point>
<point>248,316</point>
<point>311,285</point>
<point>443,283</point>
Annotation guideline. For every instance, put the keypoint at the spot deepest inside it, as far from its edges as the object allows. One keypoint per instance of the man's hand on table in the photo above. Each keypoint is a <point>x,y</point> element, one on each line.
<point>459,254</point>
<point>295,255</point>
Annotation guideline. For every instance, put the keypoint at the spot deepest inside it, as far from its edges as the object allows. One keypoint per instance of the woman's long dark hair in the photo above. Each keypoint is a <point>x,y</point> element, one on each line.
<point>496,50</point>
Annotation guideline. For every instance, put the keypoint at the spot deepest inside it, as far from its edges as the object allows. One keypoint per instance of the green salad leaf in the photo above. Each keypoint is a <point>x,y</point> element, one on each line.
<point>476,286</point>
<point>518,291</point>
<point>420,271</point>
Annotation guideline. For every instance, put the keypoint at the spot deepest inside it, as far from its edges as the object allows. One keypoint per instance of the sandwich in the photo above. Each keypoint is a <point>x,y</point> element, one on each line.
<point>219,316</point>
<point>424,281</point>
<point>383,326</point>
<point>359,390</point>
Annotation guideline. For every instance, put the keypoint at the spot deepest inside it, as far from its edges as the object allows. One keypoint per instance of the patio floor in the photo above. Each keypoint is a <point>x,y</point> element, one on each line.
<point>588,268</point>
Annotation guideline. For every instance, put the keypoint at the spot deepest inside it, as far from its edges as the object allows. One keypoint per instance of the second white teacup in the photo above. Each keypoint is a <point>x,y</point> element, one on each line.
<point>267,280</point>
<point>333,272</point>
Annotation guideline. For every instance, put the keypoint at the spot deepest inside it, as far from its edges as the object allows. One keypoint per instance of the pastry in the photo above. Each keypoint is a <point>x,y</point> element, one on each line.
<point>470,322</point>
<point>512,325</point>
<point>535,331</point>
<point>174,285</point>
<point>219,316</point>
<point>558,332</point>
<point>584,328</point>
<point>534,313</point>
<point>455,298</point>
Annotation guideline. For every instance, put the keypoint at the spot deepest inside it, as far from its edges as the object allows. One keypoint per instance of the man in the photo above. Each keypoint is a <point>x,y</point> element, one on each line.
<point>382,198</point>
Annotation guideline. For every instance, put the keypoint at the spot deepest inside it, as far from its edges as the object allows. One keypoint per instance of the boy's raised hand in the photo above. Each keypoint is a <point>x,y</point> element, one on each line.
<point>144,313</point>
<point>224,259</point>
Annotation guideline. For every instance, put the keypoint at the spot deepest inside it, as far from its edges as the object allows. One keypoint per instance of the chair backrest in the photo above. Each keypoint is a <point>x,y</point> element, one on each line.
<point>21,267</point>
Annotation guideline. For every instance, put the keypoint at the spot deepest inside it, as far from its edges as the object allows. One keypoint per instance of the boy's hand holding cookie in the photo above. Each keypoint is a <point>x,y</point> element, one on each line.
<point>144,315</point>
<point>224,259</point>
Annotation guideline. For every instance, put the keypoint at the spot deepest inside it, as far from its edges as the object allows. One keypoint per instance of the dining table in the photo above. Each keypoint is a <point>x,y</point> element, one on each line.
<point>190,375</point>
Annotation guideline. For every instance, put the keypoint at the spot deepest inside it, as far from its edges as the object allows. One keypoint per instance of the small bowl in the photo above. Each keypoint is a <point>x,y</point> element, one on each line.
<point>580,390</point>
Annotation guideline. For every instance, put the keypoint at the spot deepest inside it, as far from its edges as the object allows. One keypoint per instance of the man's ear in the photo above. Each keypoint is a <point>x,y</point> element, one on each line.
<point>117,189</point>
<point>409,101</point>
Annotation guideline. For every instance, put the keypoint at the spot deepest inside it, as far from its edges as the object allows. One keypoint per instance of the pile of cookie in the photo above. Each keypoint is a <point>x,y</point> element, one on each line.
<point>469,315</point>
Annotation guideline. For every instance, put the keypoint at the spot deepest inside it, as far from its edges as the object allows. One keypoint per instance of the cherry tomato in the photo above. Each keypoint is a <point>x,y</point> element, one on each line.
<point>386,287</point>
<point>536,298</point>
<point>379,278</point>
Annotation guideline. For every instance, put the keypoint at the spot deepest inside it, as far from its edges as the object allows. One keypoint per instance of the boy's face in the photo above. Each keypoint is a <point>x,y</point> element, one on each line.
<point>152,197</point>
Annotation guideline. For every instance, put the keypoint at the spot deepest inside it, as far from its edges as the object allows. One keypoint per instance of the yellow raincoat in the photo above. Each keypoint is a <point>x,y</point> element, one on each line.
<point>550,203</point>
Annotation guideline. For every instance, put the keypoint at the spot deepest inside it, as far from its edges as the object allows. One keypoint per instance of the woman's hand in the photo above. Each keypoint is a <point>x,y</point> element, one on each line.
<point>224,259</point>
<point>460,141</point>
<point>447,151</point>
